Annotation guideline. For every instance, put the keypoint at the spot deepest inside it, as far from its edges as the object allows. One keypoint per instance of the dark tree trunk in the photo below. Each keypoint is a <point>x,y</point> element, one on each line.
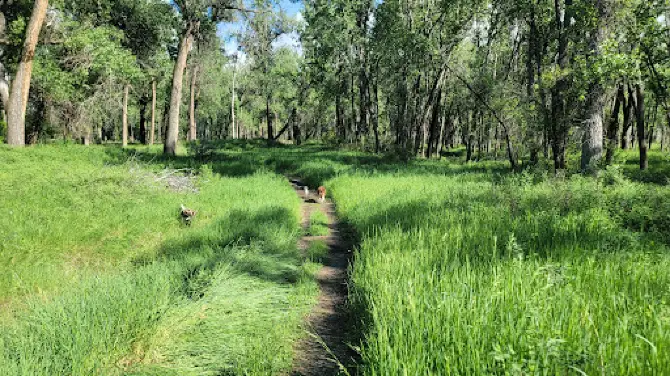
<point>613,129</point>
<point>558,131</point>
<point>628,111</point>
<point>296,128</point>
<point>375,114</point>
<point>434,125</point>
<point>339,119</point>
<point>640,122</point>
<point>193,131</point>
<point>468,137</point>
<point>268,118</point>
<point>144,102</point>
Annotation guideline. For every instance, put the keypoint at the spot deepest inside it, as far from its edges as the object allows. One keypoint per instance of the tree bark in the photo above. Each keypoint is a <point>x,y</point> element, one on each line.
<point>592,144</point>
<point>558,131</point>
<point>193,135</point>
<point>153,112</point>
<point>613,130</point>
<point>629,107</point>
<point>172,133</point>
<point>640,122</point>
<point>144,102</point>
<point>339,119</point>
<point>434,125</point>
<point>375,114</point>
<point>232,104</point>
<point>4,91</point>
<point>18,96</point>
<point>268,118</point>
<point>124,123</point>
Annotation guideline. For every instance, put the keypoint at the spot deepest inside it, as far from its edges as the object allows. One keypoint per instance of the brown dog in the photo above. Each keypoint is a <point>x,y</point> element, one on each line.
<point>187,214</point>
<point>322,193</point>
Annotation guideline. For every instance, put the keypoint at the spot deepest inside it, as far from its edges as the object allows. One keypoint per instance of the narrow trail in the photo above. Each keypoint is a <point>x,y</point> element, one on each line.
<point>327,350</point>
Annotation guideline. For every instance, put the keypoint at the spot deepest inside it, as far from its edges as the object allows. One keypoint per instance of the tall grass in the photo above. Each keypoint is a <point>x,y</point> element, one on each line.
<point>465,269</point>
<point>100,276</point>
<point>460,276</point>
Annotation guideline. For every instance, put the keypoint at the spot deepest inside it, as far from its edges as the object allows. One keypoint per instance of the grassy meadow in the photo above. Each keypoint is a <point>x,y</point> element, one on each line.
<point>460,269</point>
<point>99,276</point>
<point>469,270</point>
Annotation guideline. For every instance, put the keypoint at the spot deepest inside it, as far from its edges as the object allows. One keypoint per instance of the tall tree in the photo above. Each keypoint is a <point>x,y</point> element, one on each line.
<point>20,86</point>
<point>195,15</point>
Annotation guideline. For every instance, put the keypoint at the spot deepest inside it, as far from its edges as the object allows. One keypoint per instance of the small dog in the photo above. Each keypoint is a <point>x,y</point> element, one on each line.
<point>187,214</point>
<point>322,193</point>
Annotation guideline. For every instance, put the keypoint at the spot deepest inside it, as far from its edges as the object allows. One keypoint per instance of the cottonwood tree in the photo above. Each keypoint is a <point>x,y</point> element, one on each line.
<point>17,101</point>
<point>194,15</point>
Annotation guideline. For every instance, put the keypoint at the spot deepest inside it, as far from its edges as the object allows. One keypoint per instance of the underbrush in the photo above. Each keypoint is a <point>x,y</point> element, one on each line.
<point>99,275</point>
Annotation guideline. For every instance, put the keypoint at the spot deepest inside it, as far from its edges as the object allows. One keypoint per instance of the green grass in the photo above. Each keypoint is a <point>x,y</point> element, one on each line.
<point>99,276</point>
<point>317,251</point>
<point>463,277</point>
<point>460,269</point>
<point>465,269</point>
<point>318,224</point>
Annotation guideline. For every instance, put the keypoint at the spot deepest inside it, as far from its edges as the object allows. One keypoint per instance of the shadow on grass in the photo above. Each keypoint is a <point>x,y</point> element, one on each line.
<point>544,235</point>
<point>260,244</point>
<point>315,164</point>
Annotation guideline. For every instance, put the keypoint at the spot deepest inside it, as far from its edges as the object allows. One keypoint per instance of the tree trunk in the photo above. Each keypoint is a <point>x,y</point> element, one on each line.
<point>339,119</point>
<point>592,144</point>
<point>613,129</point>
<point>652,127</point>
<point>170,146</point>
<point>18,96</point>
<point>268,118</point>
<point>124,123</point>
<point>364,98</point>
<point>639,120</point>
<point>468,137</point>
<point>4,90</point>
<point>193,135</point>
<point>354,123</point>
<point>629,108</point>
<point>153,112</point>
<point>559,125</point>
<point>375,114</point>
<point>232,105</point>
<point>144,102</point>
<point>434,125</point>
<point>297,137</point>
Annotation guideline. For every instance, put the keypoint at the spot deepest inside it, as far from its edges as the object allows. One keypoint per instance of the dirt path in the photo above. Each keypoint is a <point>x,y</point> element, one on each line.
<point>329,320</point>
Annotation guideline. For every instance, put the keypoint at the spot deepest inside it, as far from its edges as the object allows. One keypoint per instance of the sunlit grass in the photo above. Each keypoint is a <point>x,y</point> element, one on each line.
<point>99,276</point>
<point>318,224</point>
<point>461,269</point>
<point>459,276</point>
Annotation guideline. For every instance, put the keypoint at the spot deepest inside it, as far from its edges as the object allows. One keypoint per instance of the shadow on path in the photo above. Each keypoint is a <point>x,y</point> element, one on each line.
<point>327,351</point>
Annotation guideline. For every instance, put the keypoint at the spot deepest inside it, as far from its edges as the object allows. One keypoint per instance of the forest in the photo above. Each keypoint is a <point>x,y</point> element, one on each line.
<point>525,79</point>
<point>334,187</point>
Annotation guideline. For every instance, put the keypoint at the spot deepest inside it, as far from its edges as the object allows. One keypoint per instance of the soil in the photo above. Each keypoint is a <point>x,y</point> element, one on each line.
<point>326,350</point>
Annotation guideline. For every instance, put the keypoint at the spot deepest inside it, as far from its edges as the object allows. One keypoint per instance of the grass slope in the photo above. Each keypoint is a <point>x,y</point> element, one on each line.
<point>98,276</point>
